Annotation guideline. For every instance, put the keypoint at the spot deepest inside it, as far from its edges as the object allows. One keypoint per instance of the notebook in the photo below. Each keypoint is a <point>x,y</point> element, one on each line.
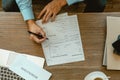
<point>112,60</point>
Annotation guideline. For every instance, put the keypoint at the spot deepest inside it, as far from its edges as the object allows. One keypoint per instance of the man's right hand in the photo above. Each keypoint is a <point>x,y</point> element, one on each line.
<point>33,27</point>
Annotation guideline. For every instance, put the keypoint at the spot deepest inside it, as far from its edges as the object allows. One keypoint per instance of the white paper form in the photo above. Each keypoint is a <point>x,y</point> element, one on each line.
<point>64,44</point>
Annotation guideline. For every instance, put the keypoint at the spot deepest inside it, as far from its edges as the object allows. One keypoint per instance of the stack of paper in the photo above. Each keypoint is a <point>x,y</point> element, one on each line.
<point>112,60</point>
<point>27,66</point>
<point>64,44</point>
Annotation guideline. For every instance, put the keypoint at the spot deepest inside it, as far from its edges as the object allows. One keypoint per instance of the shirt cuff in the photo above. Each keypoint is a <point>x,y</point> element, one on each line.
<point>27,13</point>
<point>70,2</point>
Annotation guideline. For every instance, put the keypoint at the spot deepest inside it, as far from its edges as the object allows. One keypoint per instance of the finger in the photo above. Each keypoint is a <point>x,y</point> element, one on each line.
<point>44,17</point>
<point>53,17</point>
<point>41,13</point>
<point>43,34</point>
<point>34,38</point>
<point>42,40</point>
<point>48,16</point>
<point>41,31</point>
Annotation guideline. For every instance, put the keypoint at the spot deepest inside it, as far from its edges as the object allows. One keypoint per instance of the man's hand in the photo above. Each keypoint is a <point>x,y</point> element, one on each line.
<point>33,27</point>
<point>51,10</point>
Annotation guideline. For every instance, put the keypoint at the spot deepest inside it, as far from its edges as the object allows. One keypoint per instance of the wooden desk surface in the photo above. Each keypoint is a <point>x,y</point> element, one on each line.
<point>14,36</point>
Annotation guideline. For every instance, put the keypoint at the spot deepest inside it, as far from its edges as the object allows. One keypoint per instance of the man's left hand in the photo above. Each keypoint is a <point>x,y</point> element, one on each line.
<point>51,10</point>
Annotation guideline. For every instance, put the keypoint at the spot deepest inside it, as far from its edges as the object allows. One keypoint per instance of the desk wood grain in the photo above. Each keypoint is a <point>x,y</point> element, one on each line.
<point>14,36</point>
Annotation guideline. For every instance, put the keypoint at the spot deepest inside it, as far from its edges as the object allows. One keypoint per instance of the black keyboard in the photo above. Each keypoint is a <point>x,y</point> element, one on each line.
<point>6,74</point>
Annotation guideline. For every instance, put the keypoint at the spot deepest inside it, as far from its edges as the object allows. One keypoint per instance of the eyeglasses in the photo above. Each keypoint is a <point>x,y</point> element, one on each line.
<point>116,46</point>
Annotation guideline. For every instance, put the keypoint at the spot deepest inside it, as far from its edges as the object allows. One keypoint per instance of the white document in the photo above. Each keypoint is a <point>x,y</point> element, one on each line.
<point>7,57</point>
<point>28,70</point>
<point>4,54</point>
<point>37,60</point>
<point>64,44</point>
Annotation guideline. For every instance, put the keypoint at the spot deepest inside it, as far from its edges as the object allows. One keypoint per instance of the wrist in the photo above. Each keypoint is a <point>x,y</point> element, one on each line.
<point>30,22</point>
<point>61,2</point>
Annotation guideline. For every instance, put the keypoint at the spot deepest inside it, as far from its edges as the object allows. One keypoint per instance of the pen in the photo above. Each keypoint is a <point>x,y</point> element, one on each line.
<point>39,36</point>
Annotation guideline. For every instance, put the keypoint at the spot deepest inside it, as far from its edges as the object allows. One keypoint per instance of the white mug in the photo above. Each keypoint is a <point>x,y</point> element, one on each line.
<point>96,75</point>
